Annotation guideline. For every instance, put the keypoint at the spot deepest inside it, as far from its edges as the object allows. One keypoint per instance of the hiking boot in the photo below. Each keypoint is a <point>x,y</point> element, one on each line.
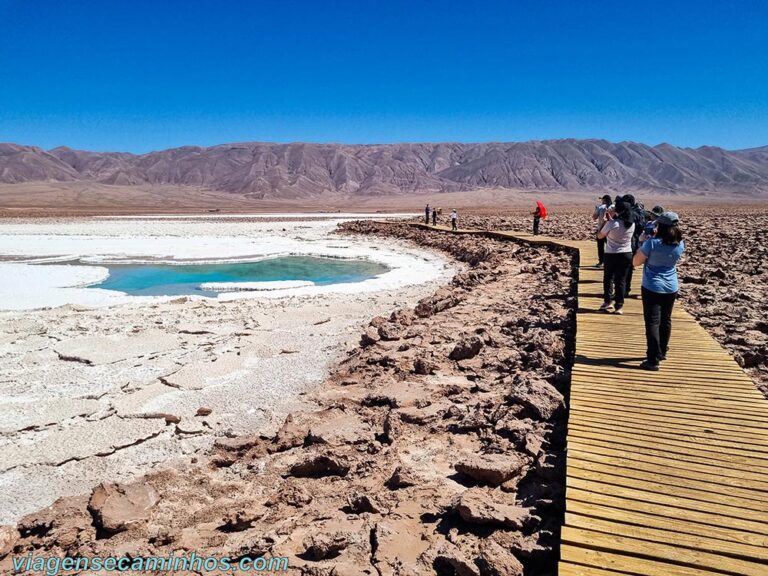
<point>648,366</point>
<point>607,307</point>
<point>618,310</point>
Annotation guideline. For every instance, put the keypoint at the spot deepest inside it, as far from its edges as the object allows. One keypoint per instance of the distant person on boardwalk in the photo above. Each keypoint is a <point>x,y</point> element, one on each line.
<point>617,231</point>
<point>538,214</point>
<point>434,216</point>
<point>426,215</point>
<point>660,254</point>
<point>598,215</point>
<point>454,220</point>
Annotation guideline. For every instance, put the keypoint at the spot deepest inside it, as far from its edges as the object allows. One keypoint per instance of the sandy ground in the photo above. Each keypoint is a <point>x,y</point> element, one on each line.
<point>109,389</point>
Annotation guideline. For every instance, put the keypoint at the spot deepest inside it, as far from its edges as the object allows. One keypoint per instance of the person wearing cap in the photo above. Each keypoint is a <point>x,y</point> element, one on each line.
<point>650,226</point>
<point>617,231</point>
<point>598,215</point>
<point>660,256</point>
<point>454,219</point>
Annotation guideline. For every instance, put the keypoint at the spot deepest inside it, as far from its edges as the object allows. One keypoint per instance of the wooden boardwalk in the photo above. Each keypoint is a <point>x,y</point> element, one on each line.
<point>667,472</point>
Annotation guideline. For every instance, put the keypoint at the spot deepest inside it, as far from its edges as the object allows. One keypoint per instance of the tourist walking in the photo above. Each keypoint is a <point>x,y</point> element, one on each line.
<point>434,216</point>
<point>617,231</point>
<point>598,215</point>
<point>426,215</point>
<point>538,214</point>
<point>454,220</point>
<point>660,256</point>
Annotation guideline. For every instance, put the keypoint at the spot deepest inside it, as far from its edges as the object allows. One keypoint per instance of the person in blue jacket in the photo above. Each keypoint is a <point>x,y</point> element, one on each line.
<point>660,255</point>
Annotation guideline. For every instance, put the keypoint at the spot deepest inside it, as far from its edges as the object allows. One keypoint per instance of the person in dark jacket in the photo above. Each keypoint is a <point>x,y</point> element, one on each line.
<point>434,216</point>
<point>426,214</point>
<point>536,220</point>
<point>637,214</point>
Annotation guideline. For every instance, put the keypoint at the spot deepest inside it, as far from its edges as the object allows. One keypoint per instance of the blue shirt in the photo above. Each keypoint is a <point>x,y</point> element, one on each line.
<point>660,272</point>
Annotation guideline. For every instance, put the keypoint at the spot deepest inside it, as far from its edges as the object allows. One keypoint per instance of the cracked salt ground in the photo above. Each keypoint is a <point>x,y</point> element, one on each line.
<point>75,411</point>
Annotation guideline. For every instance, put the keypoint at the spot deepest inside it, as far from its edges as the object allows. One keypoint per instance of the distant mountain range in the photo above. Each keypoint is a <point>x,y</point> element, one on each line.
<point>288,171</point>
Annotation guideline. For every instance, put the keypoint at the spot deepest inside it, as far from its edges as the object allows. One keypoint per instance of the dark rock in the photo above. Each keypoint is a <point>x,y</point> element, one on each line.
<point>466,348</point>
<point>321,546</point>
<point>369,337</point>
<point>390,332</point>
<point>317,465</point>
<point>359,503</point>
<point>424,366</point>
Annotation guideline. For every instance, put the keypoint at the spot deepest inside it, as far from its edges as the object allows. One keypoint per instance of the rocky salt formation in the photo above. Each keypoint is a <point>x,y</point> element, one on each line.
<point>436,446</point>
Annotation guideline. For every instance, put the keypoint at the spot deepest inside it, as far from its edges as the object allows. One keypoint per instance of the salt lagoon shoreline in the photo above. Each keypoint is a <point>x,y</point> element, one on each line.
<point>25,245</point>
<point>110,389</point>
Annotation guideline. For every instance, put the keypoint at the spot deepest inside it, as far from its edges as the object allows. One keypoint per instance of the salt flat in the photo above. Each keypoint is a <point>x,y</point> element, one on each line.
<point>97,386</point>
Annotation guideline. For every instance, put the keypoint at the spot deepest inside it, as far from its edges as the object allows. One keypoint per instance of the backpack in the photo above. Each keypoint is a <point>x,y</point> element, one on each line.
<point>638,217</point>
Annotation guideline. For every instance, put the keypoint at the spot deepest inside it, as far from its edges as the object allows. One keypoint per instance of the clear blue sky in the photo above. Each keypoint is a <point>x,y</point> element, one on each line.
<point>141,75</point>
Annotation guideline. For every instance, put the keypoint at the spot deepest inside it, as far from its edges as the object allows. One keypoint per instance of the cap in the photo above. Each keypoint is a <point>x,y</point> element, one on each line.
<point>668,218</point>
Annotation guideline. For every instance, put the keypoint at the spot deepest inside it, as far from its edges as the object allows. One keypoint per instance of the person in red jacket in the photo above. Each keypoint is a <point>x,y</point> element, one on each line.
<point>538,214</point>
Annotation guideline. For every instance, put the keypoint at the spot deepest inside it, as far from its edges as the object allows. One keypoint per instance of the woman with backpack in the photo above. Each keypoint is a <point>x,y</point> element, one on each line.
<point>660,255</point>
<point>617,231</point>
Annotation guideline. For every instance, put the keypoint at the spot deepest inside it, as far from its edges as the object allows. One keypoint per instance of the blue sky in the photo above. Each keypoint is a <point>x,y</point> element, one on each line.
<point>145,75</point>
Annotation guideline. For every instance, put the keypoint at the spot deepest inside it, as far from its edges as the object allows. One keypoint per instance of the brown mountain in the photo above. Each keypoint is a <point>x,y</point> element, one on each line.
<point>288,171</point>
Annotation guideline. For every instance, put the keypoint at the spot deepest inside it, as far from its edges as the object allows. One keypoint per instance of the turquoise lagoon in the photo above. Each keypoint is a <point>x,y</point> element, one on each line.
<point>181,279</point>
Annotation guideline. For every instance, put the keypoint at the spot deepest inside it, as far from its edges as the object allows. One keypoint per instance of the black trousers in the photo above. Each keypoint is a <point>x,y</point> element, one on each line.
<point>426,218</point>
<point>630,274</point>
<point>657,311</point>
<point>601,250</point>
<point>615,276</point>
<point>536,225</point>
<point>434,219</point>
<point>453,224</point>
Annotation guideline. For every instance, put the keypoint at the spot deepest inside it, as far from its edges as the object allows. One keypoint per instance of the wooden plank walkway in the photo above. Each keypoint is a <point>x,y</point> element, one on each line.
<point>667,472</point>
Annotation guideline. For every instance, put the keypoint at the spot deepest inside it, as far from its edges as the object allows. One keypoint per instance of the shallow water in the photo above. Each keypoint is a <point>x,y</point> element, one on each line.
<point>178,279</point>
